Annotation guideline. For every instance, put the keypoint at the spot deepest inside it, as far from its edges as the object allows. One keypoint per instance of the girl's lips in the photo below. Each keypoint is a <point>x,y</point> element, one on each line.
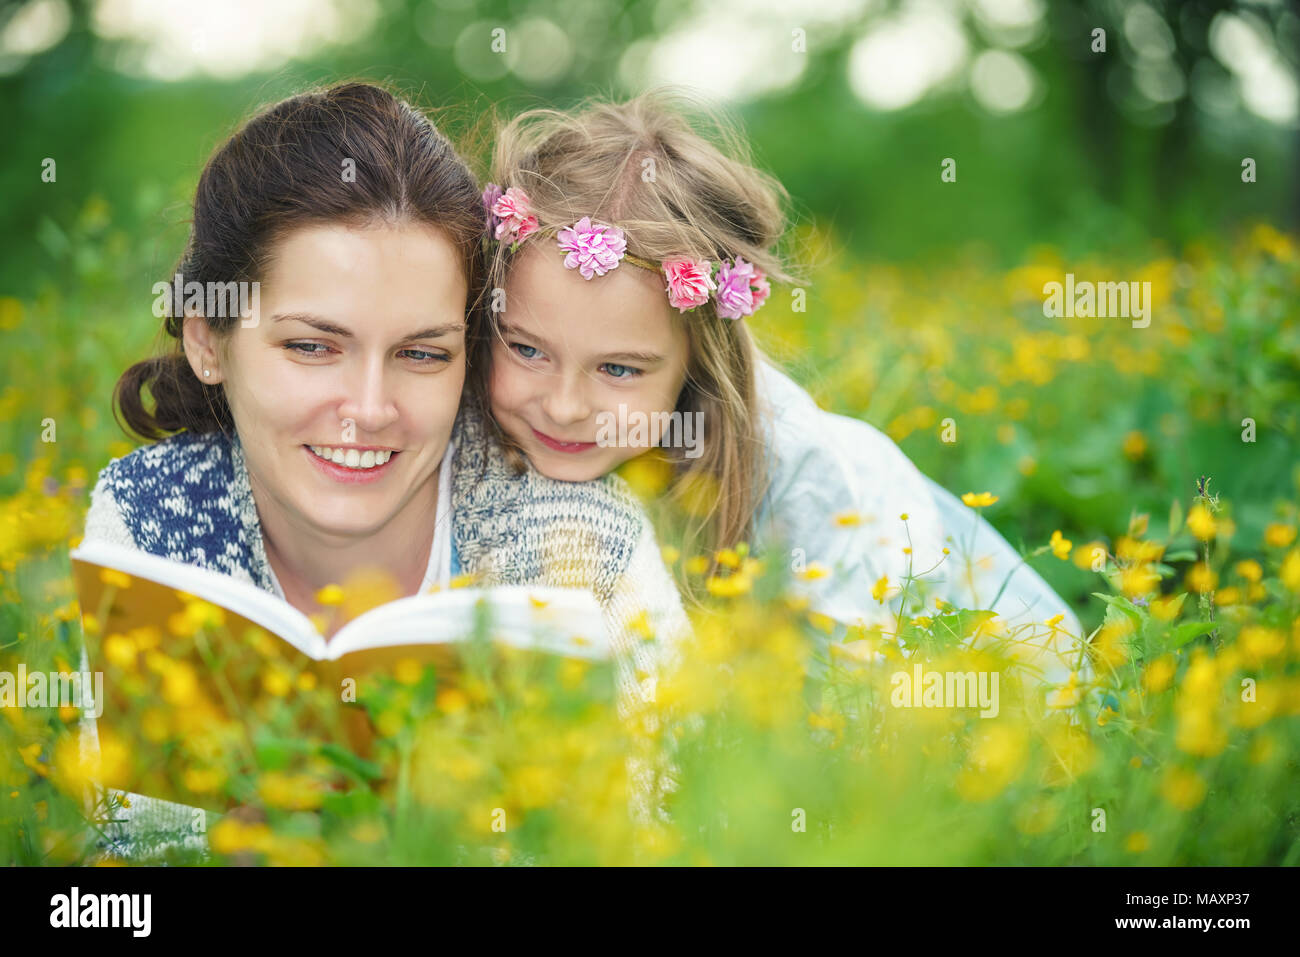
<point>351,476</point>
<point>559,446</point>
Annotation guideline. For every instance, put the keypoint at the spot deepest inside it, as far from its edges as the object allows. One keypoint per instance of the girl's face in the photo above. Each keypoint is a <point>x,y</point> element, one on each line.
<point>359,344</point>
<point>572,351</point>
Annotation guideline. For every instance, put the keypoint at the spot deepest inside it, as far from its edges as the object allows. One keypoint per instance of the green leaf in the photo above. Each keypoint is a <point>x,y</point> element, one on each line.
<point>1175,518</point>
<point>345,759</point>
<point>959,624</point>
<point>1181,555</point>
<point>1123,604</point>
<point>1188,630</point>
<point>1178,604</point>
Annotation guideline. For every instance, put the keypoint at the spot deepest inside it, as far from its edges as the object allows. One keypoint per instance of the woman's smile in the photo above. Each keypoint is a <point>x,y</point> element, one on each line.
<point>351,465</point>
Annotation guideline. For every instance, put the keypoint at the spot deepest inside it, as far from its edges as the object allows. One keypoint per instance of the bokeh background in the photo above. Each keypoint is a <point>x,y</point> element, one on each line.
<point>923,295</point>
<point>924,306</point>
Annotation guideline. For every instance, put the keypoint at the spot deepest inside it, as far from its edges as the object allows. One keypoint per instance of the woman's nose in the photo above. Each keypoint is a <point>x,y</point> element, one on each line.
<point>369,404</point>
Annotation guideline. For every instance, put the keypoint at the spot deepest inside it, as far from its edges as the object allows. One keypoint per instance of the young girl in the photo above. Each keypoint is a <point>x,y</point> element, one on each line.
<point>626,250</point>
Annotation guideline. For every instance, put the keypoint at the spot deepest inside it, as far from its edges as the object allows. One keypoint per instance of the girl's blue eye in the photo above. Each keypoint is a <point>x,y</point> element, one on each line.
<point>526,352</point>
<point>617,371</point>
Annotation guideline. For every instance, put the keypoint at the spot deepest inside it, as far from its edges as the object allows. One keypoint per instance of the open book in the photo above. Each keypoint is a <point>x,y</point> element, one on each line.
<point>187,654</point>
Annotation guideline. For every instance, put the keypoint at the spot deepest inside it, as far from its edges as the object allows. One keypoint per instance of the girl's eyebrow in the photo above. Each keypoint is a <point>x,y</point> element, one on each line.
<point>330,328</point>
<point>634,356</point>
<point>647,357</point>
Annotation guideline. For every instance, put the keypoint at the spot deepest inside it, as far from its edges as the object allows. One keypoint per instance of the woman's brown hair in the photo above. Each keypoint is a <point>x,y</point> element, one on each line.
<point>352,153</point>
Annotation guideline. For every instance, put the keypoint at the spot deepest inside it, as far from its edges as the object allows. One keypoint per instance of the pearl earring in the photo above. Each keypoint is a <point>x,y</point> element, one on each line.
<point>206,372</point>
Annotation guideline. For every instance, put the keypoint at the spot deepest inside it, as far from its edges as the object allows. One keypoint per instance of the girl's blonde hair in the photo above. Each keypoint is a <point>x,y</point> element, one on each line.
<point>675,190</point>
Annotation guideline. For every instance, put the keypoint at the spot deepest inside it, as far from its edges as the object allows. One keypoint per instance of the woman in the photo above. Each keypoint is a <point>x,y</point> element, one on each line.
<point>323,429</point>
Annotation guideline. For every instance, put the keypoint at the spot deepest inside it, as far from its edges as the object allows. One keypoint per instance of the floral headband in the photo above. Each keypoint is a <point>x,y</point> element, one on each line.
<point>738,288</point>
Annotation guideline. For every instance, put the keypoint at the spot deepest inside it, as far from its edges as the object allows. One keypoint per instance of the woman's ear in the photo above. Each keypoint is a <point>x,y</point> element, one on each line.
<point>201,349</point>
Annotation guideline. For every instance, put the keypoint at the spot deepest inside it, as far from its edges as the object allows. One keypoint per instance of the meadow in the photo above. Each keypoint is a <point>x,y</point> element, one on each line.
<point>1151,475</point>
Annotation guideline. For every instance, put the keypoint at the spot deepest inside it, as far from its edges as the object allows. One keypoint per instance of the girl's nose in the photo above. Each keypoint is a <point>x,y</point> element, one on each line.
<point>566,403</point>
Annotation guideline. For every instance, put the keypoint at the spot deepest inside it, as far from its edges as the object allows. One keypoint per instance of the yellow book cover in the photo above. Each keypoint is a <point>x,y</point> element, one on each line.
<point>200,668</point>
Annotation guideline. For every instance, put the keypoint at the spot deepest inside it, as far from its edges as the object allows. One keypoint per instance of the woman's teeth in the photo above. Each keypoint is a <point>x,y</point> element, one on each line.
<point>351,458</point>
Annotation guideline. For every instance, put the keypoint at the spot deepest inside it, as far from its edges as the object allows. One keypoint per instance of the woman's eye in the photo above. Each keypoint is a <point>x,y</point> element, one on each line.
<point>307,348</point>
<point>525,352</point>
<point>429,356</point>
<point>621,372</point>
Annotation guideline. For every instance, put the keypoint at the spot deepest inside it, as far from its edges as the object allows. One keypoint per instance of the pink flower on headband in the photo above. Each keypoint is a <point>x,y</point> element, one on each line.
<point>760,287</point>
<point>593,248</point>
<point>734,297</point>
<point>689,282</point>
<point>513,210</point>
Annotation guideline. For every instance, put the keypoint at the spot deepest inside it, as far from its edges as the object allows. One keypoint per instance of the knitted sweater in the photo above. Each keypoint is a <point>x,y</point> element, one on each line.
<point>188,498</point>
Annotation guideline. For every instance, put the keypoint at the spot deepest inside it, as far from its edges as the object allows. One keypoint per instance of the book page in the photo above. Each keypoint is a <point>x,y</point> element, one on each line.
<point>564,621</point>
<point>243,598</point>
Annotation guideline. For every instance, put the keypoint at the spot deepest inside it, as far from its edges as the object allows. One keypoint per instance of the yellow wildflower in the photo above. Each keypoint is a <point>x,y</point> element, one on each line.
<point>330,595</point>
<point>1135,445</point>
<point>1182,788</point>
<point>1290,573</point>
<point>1259,643</point>
<point>1159,674</point>
<point>979,499</point>
<point>1250,570</point>
<point>728,558</point>
<point>1060,545</point>
<point>451,701</point>
<point>813,572</point>
<point>1278,535</point>
<point>292,792</point>
<point>115,578</point>
<point>1139,580</point>
<point>1090,554</point>
<point>1202,578</point>
<point>1167,607</point>
<point>1228,596</point>
<point>407,671</point>
<point>1201,522</point>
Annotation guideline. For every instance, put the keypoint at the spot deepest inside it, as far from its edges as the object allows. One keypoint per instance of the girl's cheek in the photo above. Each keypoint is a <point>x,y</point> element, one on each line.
<point>499,379</point>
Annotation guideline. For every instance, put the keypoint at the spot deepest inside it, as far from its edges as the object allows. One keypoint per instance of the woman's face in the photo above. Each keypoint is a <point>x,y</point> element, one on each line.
<point>358,344</point>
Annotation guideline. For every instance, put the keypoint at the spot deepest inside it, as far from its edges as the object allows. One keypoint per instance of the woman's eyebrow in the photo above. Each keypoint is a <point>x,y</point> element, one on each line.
<point>330,328</point>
